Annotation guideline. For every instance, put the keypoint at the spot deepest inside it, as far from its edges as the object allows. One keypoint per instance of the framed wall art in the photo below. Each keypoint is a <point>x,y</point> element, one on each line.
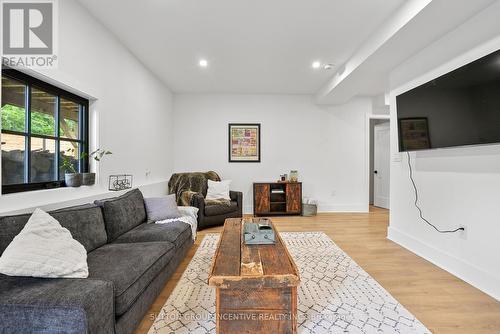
<point>244,142</point>
<point>414,134</point>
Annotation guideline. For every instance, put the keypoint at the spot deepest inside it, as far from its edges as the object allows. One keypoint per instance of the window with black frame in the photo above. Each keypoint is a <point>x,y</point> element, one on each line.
<point>42,126</point>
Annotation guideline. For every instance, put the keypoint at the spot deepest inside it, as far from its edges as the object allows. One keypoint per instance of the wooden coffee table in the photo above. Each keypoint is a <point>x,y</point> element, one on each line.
<point>256,284</point>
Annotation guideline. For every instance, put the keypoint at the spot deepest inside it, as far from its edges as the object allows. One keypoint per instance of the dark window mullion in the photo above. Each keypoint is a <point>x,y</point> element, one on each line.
<point>85,133</point>
<point>34,135</point>
<point>16,133</point>
<point>27,168</point>
<point>57,152</point>
<point>28,80</point>
<point>81,130</point>
<point>68,140</point>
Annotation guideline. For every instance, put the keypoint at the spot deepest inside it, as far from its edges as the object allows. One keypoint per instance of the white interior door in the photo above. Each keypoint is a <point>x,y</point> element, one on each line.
<point>381,165</point>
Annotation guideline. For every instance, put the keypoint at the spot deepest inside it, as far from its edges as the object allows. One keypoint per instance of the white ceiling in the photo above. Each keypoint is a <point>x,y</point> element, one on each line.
<point>253,46</point>
<point>416,25</point>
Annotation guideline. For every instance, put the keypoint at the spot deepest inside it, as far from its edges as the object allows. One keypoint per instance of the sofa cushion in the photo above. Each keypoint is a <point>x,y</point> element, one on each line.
<point>175,232</point>
<point>131,267</point>
<point>55,305</point>
<point>85,222</point>
<point>220,209</point>
<point>123,213</point>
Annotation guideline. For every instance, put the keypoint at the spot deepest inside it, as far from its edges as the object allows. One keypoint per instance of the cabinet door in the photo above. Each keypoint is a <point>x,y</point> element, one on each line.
<point>261,198</point>
<point>293,198</point>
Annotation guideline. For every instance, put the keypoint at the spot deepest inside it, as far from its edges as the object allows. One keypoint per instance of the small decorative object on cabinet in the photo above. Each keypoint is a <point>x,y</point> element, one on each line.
<point>277,198</point>
<point>120,182</point>
<point>294,176</point>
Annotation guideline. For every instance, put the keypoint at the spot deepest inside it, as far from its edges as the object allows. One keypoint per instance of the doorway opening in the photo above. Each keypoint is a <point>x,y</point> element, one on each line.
<point>380,157</point>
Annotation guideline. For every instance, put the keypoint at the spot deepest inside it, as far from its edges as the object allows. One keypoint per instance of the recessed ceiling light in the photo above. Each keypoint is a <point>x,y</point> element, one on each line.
<point>316,65</point>
<point>328,66</point>
<point>203,63</point>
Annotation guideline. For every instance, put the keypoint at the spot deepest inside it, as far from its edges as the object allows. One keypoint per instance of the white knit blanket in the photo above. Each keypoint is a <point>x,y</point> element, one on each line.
<point>189,216</point>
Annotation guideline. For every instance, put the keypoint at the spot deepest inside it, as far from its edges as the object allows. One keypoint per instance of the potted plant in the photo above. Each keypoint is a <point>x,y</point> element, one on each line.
<point>97,155</point>
<point>71,176</point>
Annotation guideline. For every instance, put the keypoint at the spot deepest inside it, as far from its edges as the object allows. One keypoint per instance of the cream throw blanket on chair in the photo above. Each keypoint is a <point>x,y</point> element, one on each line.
<point>44,249</point>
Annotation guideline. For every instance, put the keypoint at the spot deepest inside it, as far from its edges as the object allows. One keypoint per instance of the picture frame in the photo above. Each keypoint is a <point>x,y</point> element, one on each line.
<point>414,134</point>
<point>244,142</point>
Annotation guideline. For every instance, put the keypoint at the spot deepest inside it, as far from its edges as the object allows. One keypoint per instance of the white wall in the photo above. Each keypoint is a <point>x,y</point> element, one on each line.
<point>457,186</point>
<point>131,112</point>
<point>326,145</point>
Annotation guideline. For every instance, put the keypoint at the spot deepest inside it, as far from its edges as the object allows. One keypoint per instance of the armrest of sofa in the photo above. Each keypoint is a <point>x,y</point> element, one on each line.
<point>198,201</point>
<point>237,196</point>
<point>42,319</point>
<point>29,305</point>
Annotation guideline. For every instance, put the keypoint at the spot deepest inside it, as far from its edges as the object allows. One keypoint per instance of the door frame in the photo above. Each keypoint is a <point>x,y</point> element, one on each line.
<point>380,201</point>
<point>369,118</point>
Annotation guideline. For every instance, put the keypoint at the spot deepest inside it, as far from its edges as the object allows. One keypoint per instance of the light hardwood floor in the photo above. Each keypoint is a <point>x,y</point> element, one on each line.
<point>444,303</point>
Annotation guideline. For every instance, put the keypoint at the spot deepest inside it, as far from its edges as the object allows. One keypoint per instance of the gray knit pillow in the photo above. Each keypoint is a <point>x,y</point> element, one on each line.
<point>161,208</point>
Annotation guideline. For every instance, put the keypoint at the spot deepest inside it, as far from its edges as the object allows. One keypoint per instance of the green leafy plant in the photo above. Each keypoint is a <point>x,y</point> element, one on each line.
<point>97,155</point>
<point>67,161</point>
<point>13,118</point>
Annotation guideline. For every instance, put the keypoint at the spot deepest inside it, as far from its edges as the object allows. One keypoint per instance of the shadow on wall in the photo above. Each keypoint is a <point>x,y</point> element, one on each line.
<point>460,160</point>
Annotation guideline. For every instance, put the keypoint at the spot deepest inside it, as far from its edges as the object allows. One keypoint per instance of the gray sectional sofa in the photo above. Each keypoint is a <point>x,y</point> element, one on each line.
<point>129,262</point>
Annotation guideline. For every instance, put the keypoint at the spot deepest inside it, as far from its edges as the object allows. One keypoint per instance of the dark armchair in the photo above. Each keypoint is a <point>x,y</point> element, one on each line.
<point>213,215</point>
<point>191,189</point>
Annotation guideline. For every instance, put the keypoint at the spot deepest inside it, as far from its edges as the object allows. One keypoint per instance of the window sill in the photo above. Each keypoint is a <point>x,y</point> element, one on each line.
<point>51,199</point>
<point>84,189</point>
<point>22,202</point>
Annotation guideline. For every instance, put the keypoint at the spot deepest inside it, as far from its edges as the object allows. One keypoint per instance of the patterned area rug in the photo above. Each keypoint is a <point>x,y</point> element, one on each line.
<point>335,294</point>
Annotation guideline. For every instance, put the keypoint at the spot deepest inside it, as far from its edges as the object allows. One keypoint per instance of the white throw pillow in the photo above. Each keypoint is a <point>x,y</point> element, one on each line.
<point>44,248</point>
<point>218,190</point>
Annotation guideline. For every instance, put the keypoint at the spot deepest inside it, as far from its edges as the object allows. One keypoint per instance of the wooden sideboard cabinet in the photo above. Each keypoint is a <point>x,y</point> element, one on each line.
<point>278,198</point>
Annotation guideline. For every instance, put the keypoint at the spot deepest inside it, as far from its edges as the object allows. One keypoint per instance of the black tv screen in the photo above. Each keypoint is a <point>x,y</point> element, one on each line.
<point>457,109</point>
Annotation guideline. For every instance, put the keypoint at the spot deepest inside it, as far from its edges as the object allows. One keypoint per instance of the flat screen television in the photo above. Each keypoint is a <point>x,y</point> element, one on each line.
<point>459,108</point>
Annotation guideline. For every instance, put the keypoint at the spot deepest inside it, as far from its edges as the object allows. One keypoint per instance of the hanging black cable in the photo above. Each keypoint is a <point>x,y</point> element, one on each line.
<point>418,207</point>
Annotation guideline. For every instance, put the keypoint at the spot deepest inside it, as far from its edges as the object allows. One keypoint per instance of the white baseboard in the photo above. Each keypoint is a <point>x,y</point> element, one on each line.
<point>322,208</point>
<point>248,210</point>
<point>325,208</point>
<point>464,270</point>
